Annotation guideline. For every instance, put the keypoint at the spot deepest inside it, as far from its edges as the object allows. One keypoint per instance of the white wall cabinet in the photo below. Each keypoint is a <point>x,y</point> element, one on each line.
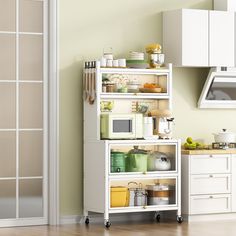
<point>221,38</point>
<point>99,176</point>
<point>199,38</point>
<point>208,194</point>
<point>185,37</point>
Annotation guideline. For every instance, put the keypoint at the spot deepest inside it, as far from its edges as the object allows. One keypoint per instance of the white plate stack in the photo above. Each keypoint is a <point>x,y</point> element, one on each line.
<point>136,60</point>
<point>136,56</point>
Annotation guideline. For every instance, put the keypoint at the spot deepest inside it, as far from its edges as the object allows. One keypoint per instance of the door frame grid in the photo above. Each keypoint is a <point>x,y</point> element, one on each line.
<point>51,126</point>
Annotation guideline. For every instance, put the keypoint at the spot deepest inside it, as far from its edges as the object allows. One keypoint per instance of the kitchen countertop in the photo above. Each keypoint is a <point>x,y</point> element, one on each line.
<point>208,151</point>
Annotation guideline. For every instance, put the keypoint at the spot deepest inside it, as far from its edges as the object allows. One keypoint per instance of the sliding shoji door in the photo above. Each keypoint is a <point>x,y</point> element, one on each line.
<point>23,112</point>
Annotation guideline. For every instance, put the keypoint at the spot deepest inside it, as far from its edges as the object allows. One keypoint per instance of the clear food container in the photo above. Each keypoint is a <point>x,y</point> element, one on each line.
<point>133,86</point>
<point>158,194</point>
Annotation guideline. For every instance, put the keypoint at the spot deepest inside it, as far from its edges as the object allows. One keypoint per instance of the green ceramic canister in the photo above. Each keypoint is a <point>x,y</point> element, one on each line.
<point>136,160</point>
<point>117,161</point>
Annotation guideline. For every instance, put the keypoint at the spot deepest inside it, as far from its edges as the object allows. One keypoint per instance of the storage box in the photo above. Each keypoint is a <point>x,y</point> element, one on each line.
<point>119,197</point>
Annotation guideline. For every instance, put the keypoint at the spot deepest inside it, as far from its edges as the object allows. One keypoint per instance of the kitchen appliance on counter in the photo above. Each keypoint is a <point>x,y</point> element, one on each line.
<point>164,122</point>
<point>156,58</point>
<point>121,126</point>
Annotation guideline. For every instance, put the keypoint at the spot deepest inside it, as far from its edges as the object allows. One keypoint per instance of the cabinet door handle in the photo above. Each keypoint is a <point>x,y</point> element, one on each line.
<point>211,176</point>
<point>211,156</point>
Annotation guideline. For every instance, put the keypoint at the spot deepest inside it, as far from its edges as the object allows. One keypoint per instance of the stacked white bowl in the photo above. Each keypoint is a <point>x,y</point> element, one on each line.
<point>136,56</point>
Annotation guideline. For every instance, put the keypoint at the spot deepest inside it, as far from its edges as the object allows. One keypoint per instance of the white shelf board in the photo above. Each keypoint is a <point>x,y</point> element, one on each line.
<point>134,96</point>
<point>169,207</point>
<point>159,71</point>
<point>142,141</point>
<point>139,175</point>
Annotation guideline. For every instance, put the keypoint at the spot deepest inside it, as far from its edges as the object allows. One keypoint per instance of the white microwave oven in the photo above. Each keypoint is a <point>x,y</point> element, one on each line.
<point>121,126</point>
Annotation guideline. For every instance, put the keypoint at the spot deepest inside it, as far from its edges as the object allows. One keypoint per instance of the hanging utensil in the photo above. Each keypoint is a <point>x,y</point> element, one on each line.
<point>85,95</point>
<point>92,83</point>
<point>89,81</point>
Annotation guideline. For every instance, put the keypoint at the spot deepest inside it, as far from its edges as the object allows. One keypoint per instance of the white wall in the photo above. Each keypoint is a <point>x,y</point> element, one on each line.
<point>86,27</point>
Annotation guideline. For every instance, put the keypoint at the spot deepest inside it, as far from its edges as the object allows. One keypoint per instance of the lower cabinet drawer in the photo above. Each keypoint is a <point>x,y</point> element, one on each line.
<point>210,184</point>
<point>205,164</point>
<point>206,204</point>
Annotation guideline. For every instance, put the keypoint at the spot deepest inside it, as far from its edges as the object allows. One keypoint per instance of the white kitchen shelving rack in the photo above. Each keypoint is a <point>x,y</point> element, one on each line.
<point>98,177</point>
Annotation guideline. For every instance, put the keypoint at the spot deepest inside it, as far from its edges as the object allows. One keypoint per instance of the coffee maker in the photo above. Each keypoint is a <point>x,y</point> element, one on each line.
<point>163,123</point>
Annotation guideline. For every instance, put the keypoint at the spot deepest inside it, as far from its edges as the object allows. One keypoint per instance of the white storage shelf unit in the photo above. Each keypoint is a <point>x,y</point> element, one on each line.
<point>123,101</point>
<point>98,177</point>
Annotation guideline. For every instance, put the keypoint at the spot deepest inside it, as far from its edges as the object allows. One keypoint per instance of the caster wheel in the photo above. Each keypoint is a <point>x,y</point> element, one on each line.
<point>108,224</point>
<point>180,219</point>
<point>158,217</point>
<point>86,221</point>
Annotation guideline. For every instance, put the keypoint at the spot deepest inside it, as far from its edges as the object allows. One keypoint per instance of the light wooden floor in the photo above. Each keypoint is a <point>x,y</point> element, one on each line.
<point>217,228</point>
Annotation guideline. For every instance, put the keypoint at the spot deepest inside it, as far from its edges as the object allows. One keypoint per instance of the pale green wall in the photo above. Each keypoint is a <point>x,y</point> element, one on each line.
<point>86,27</point>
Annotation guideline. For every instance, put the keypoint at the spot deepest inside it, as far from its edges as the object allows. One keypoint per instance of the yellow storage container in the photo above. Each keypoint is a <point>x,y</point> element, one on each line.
<point>119,196</point>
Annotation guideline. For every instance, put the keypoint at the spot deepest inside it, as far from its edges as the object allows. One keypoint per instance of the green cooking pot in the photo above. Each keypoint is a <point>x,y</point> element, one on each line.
<point>136,160</point>
<point>117,161</point>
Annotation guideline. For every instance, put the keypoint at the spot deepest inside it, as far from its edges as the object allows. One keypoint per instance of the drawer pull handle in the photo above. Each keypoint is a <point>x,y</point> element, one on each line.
<point>211,176</point>
<point>211,155</point>
<point>211,197</point>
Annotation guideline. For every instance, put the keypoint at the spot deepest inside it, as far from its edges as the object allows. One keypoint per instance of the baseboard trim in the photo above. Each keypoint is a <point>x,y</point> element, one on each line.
<point>210,217</point>
<point>70,219</point>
